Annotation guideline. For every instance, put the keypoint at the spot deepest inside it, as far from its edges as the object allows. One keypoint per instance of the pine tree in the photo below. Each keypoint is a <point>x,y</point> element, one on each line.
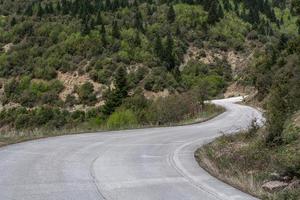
<point>29,11</point>
<point>51,9</point>
<point>215,12</point>
<point>13,22</point>
<point>158,47</point>
<point>58,7</point>
<point>99,19</point>
<point>107,5</point>
<point>137,39</point>
<point>121,82</point>
<point>85,28</point>
<point>65,7</point>
<point>40,11</point>
<point>168,53</point>
<point>227,5</point>
<point>138,21</point>
<point>276,117</point>
<point>103,35</point>
<point>171,16</point>
<point>116,96</point>
<point>115,30</point>
<point>253,16</point>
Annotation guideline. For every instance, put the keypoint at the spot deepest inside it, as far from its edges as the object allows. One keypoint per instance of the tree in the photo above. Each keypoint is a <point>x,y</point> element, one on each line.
<point>168,53</point>
<point>121,82</point>
<point>13,22</point>
<point>215,12</point>
<point>29,10</point>
<point>115,30</point>
<point>138,20</point>
<point>296,10</point>
<point>171,16</point>
<point>85,28</point>
<point>116,96</point>
<point>137,39</point>
<point>86,94</point>
<point>158,47</point>
<point>276,116</point>
<point>58,7</point>
<point>40,11</point>
<point>99,20</point>
<point>103,35</point>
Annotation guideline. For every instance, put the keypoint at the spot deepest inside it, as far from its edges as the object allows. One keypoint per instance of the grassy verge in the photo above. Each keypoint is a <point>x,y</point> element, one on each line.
<point>246,162</point>
<point>14,136</point>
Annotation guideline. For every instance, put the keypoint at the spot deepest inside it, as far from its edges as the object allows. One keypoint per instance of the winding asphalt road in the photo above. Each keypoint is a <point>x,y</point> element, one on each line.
<point>143,164</point>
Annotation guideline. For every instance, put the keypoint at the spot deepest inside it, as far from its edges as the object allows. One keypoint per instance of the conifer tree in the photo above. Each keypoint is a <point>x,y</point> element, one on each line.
<point>103,35</point>
<point>276,116</point>
<point>99,19</point>
<point>171,14</point>
<point>13,22</point>
<point>115,30</point>
<point>168,53</point>
<point>29,10</point>
<point>215,12</point>
<point>137,39</point>
<point>120,92</point>
<point>158,47</point>
<point>138,21</point>
<point>58,7</point>
<point>40,11</point>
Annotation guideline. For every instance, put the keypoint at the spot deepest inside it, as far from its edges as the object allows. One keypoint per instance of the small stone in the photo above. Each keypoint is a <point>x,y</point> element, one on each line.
<point>286,178</point>
<point>274,176</point>
<point>294,184</point>
<point>273,186</point>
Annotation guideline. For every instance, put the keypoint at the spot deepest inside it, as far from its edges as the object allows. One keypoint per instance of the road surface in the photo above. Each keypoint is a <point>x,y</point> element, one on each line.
<point>143,164</point>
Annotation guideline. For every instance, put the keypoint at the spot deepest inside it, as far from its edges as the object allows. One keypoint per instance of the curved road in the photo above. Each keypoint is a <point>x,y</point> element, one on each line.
<point>143,164</point>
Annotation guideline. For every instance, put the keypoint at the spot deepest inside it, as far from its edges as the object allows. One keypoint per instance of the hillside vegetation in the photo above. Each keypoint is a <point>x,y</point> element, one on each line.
<point>74,63</point>
<point>265,161</point>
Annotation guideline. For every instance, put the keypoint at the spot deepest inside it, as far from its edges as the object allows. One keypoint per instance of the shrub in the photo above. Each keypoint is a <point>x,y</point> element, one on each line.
<point>86,94</point>
<point>122,119</point>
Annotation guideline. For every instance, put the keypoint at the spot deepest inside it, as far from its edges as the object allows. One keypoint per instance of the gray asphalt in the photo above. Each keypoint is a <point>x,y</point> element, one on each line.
<point>154,164</point>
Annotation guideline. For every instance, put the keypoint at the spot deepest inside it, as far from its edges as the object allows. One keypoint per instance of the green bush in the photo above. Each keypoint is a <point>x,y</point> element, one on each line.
<point>86,94</point>
<point>122,119</point>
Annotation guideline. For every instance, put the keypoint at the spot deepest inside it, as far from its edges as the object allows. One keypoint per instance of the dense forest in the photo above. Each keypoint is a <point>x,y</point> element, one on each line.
<point>68,62</point>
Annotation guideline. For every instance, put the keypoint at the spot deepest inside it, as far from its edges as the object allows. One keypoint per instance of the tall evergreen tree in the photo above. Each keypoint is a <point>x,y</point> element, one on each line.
<point>103,35</point>
<point>276,116</point>
<point>158,47</point>
<point>29,10</point>
<point>99,20</point>
<point>171,16</point>
<point>168,53</point>
<point>137,38</point>
<point>13,22</point>
<point>40,10</point>
<point>138,21</point>
<point>215,12</point>
<point>58,6</point>
<point>115,30</point>
<point>116,96</point>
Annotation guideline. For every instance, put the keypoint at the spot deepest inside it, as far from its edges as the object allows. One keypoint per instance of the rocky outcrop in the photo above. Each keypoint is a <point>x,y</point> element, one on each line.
<point>273,186</point>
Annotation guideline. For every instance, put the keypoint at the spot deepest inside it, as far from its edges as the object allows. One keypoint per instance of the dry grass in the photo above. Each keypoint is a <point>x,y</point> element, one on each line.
<point>245,162</point>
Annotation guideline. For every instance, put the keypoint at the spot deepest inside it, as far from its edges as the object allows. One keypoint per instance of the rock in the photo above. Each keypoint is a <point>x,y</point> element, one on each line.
<point>286,178</point>
<point>294,184</point>
<point>274,176</point>
<point>7,48</point>
<point>273,186</point>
